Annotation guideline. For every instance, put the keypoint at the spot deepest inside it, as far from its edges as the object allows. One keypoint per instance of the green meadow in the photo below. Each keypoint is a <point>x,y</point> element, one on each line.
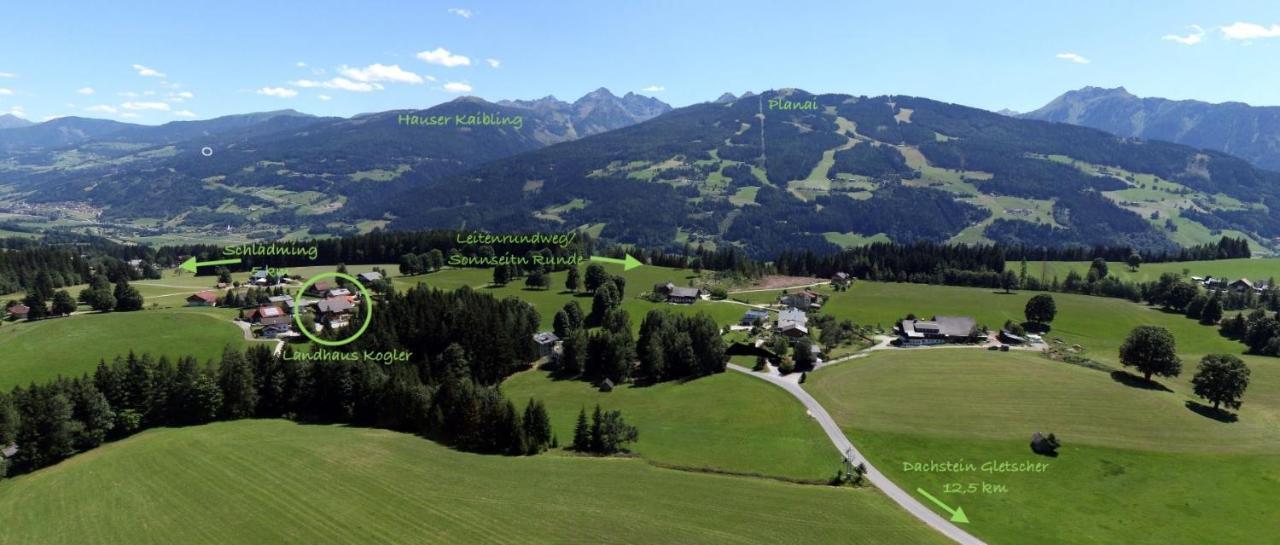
<point>726,422</point>
<point>272,481</point>
<point>1137,465</point>
<point>1253,269</point>
<point>40,351</point>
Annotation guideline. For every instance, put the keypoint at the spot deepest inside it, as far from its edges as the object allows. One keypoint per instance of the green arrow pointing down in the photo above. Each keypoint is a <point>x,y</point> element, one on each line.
<point>191,264</point>
<point>957,514</point>
<point>627,264</point>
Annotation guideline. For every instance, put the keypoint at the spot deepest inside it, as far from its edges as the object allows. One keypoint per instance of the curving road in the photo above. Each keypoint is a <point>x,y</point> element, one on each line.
<point>844,446</point>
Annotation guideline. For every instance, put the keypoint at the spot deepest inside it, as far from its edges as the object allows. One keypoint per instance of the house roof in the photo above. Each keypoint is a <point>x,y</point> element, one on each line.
<point>19,309</point>
<point>336,304</point>
<point>322,285</point>
<point>545,337</point>
<point>792,316</point>
<point>9,451</point>
<point>206,296</point>
<point>269,311</point>
<point>755,313</point>
<point>261,273</point>
<point>685,292</point>
<point>275,320</point>
<point>339,292</point>
<point>949,326</point>
<point>369,276</point>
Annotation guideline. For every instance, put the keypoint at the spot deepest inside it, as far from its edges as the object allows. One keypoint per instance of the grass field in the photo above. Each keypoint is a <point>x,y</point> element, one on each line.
<point>40,351</point>
<point>1253,269</point>
<point>277,482</point>
<point>726,422</point>
<point>1137,465</point>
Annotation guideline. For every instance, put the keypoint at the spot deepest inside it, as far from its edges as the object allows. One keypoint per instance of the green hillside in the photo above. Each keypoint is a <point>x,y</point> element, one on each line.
<point>1136,466</point>
<point>279,482</point>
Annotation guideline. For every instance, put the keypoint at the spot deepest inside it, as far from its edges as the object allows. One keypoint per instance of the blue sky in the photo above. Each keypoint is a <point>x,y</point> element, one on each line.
<point>152,62</point>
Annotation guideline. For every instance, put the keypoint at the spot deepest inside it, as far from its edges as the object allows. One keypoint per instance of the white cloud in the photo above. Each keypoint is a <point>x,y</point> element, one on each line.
<point>52,117</point>
<point>162,106</point>
<point>300,64</point>
<point>1073,57</point>
<point>129,94</point>
<point>324,97</point>
<point>18,111</point>
<point>148,72</point>
<point>1196,35</point>
<point>85,90</point>
<point>1249,31</point>
<point>457,87</point>
<point>654,89</point>
<point>102,109</point>
<point>6,92</point>
<point>184,113</point>
<point>339,83</point>
<point>461,12</point>
<point>443,57</point>
<point>281,92</point>
<point>8,75</point>
<point>495,63</point>
<point>381,72</point>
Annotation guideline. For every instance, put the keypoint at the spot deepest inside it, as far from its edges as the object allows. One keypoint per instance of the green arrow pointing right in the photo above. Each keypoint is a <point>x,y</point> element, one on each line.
<point>627,264</point>
<point>957,514</point>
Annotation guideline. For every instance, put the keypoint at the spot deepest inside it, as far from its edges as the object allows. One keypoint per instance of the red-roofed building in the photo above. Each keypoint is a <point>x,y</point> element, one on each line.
<point>203,299</point>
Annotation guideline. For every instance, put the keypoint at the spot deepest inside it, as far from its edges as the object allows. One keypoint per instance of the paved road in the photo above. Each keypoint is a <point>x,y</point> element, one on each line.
<point>842,444</point>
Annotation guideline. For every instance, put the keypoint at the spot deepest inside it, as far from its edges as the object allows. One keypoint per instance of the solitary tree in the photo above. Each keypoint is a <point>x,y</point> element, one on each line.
<point>1152,350</point>
<point>1098,269</point>
<point>1041,309</point>
<point>572,282</point>
<point>501,275</point>
<point>1008,281</point>
<point>63,304</point>
<point>1134,261</point>
<point>1221,379</point>
<point>1212,311</point>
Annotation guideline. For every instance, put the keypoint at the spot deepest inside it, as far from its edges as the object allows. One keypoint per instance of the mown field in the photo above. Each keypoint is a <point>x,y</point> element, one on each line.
<point>1137,465</point>
<point>725,422</point>
<point>40,351</point>
<point>278,482</point>
<point>1253,269</point>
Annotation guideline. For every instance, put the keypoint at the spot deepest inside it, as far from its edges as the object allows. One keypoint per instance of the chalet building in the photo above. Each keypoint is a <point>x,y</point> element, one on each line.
<point>1242,285</point>
<point>203,299</point>
<point>269,316</point>
<point>753,316</point>
<point>546,342</point>
<point>283,301</point>
<point>320,288</point>
<point>940,330</point>
<point>19,311</point>
<point>367,278</point>
<point>1009,338</point>
<point>335,312</point>
<point>793,323</point>
<point>806,299</point>
<point>684,296</point>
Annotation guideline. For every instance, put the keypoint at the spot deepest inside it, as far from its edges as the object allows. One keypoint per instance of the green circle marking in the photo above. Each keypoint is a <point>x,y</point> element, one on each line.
<point>364,294</point>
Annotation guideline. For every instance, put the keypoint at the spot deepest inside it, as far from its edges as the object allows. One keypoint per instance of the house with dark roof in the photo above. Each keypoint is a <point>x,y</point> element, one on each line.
<point>369,277</point>
<point>203,299</point>
<point>319,288</point>
<point>804,299</point>
<point>335,312</point>
<point>684,296</point>
<point>269,315</point>
<point>606,385</point>
<point>754,315</point>
<point>940,330</point>
<point>282,301</point>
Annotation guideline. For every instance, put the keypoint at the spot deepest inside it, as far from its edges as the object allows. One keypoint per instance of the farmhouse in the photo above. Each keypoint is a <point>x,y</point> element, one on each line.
<point>793,323</point>
<point>806,299</point>
<point>334,312</point>
<point>684,296</point>
<point>203,299</point>
<point>19,311</point>
<point>367,278</point>
<point>1242,285</point>
<point>940,330</point>
<point>269,316</point>
<point>753,316</point>
<point>319,288</point>
<point>282,301</point>
<point>546,342</point>
<point>841,279</point>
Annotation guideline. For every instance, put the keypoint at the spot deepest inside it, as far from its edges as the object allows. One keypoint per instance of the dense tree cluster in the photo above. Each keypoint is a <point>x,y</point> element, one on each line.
<point>607,433</point>
<point>677,346</point>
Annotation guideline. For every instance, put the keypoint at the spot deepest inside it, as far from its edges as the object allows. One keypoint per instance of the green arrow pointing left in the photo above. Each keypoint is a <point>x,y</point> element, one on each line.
<point>627,264</point>
<point>957,514</point>
<point>191,264</point>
